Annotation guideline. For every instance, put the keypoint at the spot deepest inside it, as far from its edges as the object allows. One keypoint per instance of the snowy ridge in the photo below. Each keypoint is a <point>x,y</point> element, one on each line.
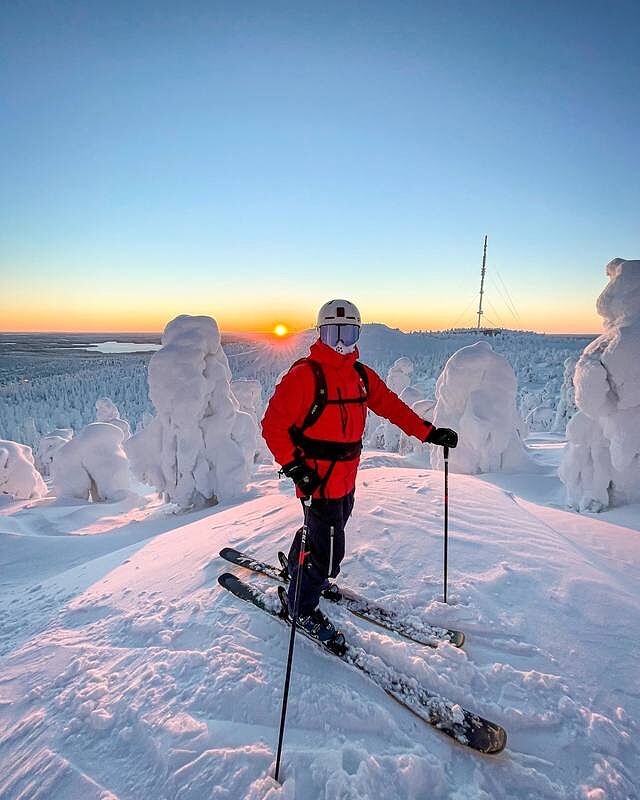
<point>147,680</point>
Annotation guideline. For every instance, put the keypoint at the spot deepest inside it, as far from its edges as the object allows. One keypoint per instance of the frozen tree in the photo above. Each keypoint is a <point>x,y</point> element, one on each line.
<point>388,435</point>
<point>399,375</point>
<point>248,393</point>
<point>48,446</point>
<point>199,447</point>
<point>92,465</point>
<point>409,444</point>
<point>476,396</point>
<point>107,411</point>
<point>412,396</point>
<point>601,463</point>
<point>567,404</point>
<point>541,418</point>
<point>19,479</point>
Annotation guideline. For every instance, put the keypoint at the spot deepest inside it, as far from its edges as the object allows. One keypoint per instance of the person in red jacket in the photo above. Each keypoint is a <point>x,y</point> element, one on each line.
<point>313,425</point>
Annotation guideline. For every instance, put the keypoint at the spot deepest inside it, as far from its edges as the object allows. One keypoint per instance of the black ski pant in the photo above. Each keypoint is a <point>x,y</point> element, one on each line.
<point>325,547</point>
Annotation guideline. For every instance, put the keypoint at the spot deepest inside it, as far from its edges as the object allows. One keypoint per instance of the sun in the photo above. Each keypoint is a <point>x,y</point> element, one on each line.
<point>280,329</point>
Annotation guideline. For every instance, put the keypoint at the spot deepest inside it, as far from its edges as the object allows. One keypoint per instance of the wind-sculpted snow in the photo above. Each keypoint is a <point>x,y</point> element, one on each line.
<point>19,479</point>
<point>602,461</point>
<point>92,465</point>
<point>199,448</point>
<point>476,396</point>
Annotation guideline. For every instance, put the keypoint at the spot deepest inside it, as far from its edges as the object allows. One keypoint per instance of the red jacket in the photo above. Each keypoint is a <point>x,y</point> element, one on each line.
<point>339,421</point>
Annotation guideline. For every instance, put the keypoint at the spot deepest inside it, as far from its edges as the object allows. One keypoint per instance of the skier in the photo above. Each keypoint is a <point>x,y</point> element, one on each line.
<point>313,425</point>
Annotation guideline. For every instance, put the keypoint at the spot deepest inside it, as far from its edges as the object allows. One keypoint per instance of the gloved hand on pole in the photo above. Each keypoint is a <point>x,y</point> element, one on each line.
<point>445,437</point>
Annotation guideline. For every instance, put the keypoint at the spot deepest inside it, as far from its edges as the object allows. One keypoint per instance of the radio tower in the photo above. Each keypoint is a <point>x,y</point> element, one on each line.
<point>482,274</point>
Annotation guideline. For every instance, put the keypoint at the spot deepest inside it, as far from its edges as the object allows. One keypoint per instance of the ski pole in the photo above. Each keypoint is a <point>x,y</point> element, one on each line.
<point>446,520</point>
<point>285,697</point>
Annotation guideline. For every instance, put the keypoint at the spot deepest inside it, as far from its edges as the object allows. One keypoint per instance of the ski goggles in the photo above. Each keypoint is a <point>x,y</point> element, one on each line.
<point>332,334</point>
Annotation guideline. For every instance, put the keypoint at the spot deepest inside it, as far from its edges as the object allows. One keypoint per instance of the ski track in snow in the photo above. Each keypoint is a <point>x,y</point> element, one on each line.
<point>128,673</point>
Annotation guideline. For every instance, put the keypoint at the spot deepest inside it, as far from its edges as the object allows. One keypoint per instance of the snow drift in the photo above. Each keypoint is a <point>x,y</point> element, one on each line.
<point>476,396</point>
<point>199,447</point>
<point>601,465</point>
<point>18,476</point>
<point>92,465</point>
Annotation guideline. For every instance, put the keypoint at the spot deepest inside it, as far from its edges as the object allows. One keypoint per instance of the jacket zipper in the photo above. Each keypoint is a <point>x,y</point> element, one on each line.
<point>331,551</point>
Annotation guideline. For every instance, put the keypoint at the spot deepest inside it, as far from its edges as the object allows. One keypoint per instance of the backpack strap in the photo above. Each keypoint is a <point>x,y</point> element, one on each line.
<point>320,399</point>
<point>362,372</point>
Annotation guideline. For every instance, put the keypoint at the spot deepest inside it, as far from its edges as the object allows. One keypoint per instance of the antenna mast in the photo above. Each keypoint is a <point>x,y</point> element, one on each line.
<point>482,274</point>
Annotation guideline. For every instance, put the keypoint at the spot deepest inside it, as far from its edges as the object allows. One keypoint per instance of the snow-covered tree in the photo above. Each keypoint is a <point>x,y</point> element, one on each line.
<point>93,465</point>
<point>601,463</point>
<point>198,449</point>
<point>541,418</point>
<point>107,411</point>
<point>19,479</point>
<point>476,396</point>
<point>248,393</point>
<point>567,404</point>
<point>47,448</point>
<point>398,380</point>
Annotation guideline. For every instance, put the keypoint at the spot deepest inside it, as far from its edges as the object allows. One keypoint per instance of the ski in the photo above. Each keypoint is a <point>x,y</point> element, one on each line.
<point>465,727</point>
<point>422,633</point>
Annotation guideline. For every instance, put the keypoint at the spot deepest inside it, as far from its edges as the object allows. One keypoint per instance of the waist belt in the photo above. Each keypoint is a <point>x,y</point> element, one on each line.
<point>323,450</point>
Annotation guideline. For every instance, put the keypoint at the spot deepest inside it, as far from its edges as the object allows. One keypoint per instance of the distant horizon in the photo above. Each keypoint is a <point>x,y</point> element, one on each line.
<point>265,332</point>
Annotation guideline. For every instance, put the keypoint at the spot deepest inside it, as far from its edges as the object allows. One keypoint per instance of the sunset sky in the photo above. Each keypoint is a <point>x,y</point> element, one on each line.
<point>250,160</point>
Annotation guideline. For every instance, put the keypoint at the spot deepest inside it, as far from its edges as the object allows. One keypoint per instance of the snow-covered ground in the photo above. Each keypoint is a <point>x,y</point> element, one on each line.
<point>127,673</point>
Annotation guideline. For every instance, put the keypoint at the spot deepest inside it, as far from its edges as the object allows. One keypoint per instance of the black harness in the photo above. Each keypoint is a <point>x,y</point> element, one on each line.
<point>317,448</point>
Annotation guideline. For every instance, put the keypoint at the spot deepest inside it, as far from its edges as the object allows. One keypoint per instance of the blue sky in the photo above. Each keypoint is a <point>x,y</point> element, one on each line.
<point>250,159</point>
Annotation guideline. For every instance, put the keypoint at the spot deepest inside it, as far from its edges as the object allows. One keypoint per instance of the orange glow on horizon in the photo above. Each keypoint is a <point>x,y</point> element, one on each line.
<point>108,314</point>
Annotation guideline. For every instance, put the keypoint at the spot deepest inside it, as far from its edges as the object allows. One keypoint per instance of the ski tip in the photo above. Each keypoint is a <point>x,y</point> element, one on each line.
<point>226,578</point>
<point>227,551</point>
<point>457,638</point>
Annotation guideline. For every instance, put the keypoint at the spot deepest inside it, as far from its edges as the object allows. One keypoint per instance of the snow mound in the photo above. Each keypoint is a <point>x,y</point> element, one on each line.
<point>107,411</point>
<point>92,465</point>
<point>199,448</point>
<point>18,476</point>
<point>601,466</point>
<point>476,396</point>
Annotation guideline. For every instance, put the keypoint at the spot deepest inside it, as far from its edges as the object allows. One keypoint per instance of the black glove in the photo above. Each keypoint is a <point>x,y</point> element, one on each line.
<point>304,476</point>
<point>445,437</point>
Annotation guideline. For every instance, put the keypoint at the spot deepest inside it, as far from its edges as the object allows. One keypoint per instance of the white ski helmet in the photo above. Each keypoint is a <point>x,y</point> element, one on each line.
<point>339,325</point>
<point>340,312</point>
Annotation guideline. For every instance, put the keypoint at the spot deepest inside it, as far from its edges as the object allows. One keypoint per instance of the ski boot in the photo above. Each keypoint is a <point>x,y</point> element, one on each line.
<point>329,590</point>
<point>316,626</point>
